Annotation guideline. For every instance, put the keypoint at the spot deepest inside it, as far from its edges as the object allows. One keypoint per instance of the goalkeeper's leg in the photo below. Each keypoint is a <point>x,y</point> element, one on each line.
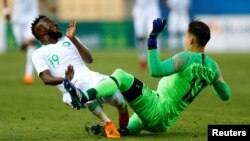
<point>120,80</point>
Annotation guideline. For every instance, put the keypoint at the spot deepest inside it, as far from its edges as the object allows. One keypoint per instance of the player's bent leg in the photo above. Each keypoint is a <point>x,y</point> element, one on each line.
<point>95,108</point>
<point>123,118</point>
<point>107,128</point>
<point>119,102</point>
<point>143,101</point>
<point>123,79</point>
<point>119,80</point>
<point>130,87</point>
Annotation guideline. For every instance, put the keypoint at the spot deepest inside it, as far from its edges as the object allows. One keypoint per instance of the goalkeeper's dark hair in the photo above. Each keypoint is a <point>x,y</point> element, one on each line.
<point>35,22</point>
<point>200,30</point>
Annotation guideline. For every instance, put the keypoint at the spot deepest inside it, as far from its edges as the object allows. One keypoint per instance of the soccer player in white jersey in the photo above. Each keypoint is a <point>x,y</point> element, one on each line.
<point>144,12</point>
<point>24,12</point>
<point>60,53</point>
<point>178,20</point>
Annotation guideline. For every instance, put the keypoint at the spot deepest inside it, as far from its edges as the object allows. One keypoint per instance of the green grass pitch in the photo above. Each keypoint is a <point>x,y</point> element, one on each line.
<point>36,113</point>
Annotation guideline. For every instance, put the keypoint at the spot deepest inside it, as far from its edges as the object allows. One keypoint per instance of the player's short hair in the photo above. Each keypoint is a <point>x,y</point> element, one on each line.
<point>200,30</point>
<point>35,22</point>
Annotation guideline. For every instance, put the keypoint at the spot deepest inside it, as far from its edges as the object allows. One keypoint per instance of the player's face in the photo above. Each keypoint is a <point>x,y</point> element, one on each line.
<point>53,29</point>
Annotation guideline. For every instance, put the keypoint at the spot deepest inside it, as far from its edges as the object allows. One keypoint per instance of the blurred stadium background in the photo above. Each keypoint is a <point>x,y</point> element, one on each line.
<point>37,113</point>
<point>108,23</point>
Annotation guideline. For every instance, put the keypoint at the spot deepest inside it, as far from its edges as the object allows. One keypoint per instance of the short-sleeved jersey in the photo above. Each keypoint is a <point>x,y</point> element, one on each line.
<point>56,58</point>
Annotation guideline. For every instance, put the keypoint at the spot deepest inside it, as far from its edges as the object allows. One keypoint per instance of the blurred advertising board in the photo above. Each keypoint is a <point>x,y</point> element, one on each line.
<point>229,33</point>
<point>104,34</point>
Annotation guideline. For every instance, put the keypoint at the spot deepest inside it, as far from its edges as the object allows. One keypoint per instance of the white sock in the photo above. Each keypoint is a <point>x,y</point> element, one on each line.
<point>98,112</point>
<point>117,100</point>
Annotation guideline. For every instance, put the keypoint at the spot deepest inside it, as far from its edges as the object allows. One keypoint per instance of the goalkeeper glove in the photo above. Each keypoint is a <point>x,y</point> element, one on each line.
<point>158,26</point>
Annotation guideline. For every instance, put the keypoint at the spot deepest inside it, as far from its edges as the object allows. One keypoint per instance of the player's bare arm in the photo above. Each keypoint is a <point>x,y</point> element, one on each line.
<point>83,51</point>
<point>48,79</point>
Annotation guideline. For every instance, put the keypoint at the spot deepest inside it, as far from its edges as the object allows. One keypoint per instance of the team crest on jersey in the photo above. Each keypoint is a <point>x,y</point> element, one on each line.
<point>66,44</point>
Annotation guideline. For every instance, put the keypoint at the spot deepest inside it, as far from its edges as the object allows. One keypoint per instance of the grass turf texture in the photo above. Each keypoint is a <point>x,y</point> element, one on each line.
<point>37,113</point>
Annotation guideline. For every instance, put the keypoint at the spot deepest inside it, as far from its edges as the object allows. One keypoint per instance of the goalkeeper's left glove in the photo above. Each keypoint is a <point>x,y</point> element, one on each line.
<point>158,26</point>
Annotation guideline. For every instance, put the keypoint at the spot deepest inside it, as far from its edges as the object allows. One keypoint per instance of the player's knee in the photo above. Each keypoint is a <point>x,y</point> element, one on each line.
<point>117,71</point>
<point>119,74</point>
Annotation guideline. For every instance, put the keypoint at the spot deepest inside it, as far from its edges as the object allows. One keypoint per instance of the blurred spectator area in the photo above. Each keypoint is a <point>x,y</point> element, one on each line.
<point>87,10</point>
<point>93,10</point>
<point>100,23</point>
<point>109,24</point>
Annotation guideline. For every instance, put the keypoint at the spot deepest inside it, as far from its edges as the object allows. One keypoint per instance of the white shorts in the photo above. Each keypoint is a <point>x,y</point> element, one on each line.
<point>85,84</point>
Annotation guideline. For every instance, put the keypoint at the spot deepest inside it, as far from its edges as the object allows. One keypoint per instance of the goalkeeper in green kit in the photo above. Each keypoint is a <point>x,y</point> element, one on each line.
<point>183,77</point>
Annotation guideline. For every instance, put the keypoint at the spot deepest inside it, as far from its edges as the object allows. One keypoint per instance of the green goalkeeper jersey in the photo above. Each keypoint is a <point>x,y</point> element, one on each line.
<point>184,76</point>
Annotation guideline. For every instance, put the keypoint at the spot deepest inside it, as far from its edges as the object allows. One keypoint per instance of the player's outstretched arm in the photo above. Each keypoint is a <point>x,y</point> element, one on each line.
<point>154,61</point>
<point>83,51</point>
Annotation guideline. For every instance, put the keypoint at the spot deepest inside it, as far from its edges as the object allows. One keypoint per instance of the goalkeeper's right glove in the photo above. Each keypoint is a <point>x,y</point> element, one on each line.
<point>158,26</point>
